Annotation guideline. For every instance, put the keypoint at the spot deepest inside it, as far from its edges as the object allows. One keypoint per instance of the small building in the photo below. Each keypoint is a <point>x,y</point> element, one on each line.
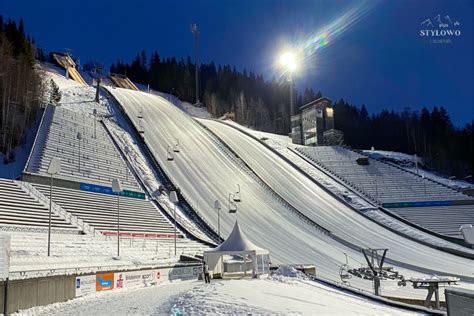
<point>237,257</point>
<point>316,117</point>
<point>314,125</point>
<point>296,130</point>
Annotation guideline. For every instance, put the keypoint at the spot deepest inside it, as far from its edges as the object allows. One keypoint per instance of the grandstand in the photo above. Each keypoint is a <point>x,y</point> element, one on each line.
<point>92,159</point>
<point>88,166</point>
<point>100,211</point>
<point>417,199</point>
<point>21,210</point>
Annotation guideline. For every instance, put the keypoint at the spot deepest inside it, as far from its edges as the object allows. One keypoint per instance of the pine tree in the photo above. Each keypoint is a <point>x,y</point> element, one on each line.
<point>55,96</point>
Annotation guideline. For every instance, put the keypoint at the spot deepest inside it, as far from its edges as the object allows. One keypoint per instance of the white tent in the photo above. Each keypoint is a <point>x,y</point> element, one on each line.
<point>238,245</point>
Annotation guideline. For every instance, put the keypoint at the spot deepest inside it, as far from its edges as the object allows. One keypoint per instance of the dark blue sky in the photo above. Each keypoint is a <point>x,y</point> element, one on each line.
<point>380,61</point>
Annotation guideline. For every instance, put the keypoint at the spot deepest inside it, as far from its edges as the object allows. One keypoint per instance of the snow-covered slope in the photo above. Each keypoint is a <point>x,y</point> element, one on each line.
<point>205,171</point>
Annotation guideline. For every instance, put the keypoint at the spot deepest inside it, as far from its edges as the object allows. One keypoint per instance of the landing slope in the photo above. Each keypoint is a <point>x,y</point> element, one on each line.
<point>205,171</point>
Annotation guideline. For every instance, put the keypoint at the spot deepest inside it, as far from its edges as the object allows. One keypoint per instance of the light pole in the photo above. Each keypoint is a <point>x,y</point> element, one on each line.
<point>195,31</point>
<point>423,179</point>
<point>217,206</point>
<point>174,200</point>
<point>288,61</point>
<point>54,168</point>
<point>94,112</point>
<point>79,137</point>
<point>117,188</point>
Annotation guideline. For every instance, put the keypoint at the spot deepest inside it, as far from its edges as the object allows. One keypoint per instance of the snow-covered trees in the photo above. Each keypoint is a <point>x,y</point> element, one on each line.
<point>55,94</point>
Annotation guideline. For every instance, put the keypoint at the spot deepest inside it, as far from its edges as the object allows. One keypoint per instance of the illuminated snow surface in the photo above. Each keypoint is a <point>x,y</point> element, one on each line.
<point>287,292</point>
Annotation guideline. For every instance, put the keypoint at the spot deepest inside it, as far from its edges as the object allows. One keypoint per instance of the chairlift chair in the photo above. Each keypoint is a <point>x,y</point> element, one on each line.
<point>170,154</point>
<point>344,272</point>
<point>237,194</point>
<point>232,206</point>
<point>176,146</point>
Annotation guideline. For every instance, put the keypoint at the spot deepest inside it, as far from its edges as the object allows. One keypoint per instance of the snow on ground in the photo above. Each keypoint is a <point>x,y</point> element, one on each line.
<point>282,143</point>
<point>277,139</point>
<point>87,254</point>
<point>286,292</point>
<point>187,107</point>
<point>408,162</point>
<point>154,300</point>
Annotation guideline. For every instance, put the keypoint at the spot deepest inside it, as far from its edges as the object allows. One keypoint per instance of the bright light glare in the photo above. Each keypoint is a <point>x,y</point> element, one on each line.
<point>288,60</point>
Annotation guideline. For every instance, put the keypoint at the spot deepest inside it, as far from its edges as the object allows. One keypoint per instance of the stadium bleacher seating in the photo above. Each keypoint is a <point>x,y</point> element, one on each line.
<point>385,184</point>
<point>19,209</point>
<point>100,211</point>
<point>98,162</point>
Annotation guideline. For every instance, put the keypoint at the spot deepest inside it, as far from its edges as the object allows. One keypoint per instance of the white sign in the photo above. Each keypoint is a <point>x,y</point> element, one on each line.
<point>140,278</point>
<point>184,273</point>
<point>4,256</point>
<point>85,284</point>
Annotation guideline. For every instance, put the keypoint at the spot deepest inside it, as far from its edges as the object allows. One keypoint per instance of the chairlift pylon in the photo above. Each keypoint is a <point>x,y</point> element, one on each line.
<point>237,194</point>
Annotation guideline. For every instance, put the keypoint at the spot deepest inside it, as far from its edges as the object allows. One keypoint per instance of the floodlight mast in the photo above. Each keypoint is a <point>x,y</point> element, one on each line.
<point>288,62</point>
<point>377,270</point>
<point>195,31</point>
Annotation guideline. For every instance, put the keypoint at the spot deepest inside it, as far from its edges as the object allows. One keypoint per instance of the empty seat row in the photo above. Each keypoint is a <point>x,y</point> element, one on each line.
<point>383,183</point>
<point>93,158</point>
<point>19,208</point>
<point>100,210</point>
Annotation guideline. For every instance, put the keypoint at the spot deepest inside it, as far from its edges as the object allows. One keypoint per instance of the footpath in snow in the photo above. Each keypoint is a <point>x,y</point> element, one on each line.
<point>286,292</point>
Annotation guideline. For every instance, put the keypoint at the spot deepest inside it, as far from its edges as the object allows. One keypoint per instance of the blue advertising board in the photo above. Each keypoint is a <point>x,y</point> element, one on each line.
<point>417,204</point>
<point>108,190</point>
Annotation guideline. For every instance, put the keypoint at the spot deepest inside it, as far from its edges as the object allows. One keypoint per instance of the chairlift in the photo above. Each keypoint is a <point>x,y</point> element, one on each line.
<point>237,194</point>
<point>344,272</point>
<point>232,206</point>
<point>141,130</point>
<point>176,146</point>
<point>170,154</point>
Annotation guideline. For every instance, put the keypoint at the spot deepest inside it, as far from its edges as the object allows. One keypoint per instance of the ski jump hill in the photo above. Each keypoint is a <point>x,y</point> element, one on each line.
<point>289,199</point>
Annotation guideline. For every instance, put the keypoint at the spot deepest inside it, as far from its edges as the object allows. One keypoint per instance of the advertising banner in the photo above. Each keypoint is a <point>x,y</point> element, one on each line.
<point>85,285</point>
<point>184,273</point>
<point>140,278</point>
<point>108,190</point>
<point>104,281</point>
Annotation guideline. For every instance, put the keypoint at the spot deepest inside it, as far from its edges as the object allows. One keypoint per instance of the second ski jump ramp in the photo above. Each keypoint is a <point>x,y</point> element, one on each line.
<point>70,66</point>
<point>205,172</point>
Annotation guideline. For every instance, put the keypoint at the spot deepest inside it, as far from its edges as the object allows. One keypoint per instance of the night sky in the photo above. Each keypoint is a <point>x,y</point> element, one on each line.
<point>380,60</point>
